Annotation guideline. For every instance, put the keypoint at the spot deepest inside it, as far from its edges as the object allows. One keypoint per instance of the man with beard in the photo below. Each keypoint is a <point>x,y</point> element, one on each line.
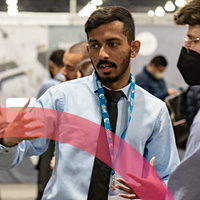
<point>107,96</point>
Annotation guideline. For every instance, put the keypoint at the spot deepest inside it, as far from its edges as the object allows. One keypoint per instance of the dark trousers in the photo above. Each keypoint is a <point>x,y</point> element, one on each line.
<point>44,170</point>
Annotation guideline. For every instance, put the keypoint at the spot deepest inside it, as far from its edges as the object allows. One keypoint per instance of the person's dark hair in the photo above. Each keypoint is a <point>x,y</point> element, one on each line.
<point>80,47</point>
<point>57,57</point>
<point>109,14</point>
<point>158,61</point>
<point>188,14</point>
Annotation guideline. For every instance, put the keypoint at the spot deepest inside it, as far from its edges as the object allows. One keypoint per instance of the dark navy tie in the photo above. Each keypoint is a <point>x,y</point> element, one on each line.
<point>99,185</point>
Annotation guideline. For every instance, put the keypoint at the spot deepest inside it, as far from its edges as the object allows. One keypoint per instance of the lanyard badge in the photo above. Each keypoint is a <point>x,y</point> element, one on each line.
<point>107,125</point>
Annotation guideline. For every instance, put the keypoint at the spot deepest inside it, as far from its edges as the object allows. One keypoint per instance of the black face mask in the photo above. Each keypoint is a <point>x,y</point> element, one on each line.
<point>189,66</point>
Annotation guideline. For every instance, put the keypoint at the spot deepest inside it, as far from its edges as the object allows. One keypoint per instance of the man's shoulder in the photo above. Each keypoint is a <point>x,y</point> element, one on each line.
<point>77,84</point>
<point>50,81</point>
<point>142,76</point>
<point>144,95</point>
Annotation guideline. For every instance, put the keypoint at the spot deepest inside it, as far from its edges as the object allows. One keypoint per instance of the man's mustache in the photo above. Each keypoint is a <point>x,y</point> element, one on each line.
<point>106,62</point>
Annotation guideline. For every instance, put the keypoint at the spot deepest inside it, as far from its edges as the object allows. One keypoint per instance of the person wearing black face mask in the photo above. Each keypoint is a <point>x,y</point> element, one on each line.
<point>188,65</point>
<point>184,181</point>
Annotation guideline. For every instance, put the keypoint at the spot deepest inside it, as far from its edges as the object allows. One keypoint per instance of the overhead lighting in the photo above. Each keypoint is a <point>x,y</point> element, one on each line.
<point>180,3</point>
<point>97,2</point>
<point>12,8</point>
<point>151,13</point>
<point>87,10</point>
<point>11,2</point>
<point>169,6</point>
<point>159,11</point>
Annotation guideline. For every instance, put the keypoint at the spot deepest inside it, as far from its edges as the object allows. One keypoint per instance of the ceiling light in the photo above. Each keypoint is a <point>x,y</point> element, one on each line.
<point>97,2</point>
<point>87,10</point>
<point>12,10</point>
<point>151,13</point>
<point>11,2</point>
<point>180,3</point>
<point>169,6</point>
<point>159,11</point>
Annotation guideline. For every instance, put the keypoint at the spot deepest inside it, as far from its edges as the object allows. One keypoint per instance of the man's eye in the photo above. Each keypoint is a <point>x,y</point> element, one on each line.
<point>113,44</point>
<point>70,68</point>
<point>196,41</point>
<point>93,46</point>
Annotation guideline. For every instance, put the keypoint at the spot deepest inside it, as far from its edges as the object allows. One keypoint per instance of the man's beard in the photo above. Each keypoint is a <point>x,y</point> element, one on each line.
<point>124,66</point>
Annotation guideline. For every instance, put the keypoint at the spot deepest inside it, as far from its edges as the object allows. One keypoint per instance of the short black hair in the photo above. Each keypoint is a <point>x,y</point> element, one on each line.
<point>188,14</point>
<point>159,60</point>
<point>105,15</point>
<point>57,57</point>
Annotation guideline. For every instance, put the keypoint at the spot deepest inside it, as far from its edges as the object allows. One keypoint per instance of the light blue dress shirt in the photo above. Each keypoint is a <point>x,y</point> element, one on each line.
<point>150,133</point>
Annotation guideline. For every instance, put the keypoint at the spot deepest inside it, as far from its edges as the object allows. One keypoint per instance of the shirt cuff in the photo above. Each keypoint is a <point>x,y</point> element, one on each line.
<point>1,141</point>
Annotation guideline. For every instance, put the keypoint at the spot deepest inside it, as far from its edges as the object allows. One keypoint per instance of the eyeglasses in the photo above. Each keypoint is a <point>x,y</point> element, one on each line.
<point>189,42</point>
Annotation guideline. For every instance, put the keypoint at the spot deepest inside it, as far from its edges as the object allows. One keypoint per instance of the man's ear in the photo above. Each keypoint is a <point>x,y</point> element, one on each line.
<point>135,47</point>
<point>87,47</point>
<point>51,63</point>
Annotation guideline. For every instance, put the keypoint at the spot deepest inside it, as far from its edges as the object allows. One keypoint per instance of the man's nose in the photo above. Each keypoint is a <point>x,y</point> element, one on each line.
<point>103,53</point>
<point>64,71</point>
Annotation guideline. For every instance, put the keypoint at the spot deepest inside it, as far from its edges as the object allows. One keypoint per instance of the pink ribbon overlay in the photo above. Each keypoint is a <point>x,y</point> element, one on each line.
<point>85,135</point>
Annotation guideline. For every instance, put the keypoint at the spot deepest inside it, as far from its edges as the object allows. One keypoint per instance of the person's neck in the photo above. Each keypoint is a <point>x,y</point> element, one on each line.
<point>122,82</point>
<point>150,69</point>
<point>115,86</point>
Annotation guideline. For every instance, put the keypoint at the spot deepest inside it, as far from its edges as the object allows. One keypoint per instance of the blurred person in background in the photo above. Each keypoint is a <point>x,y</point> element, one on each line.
<point>55,68</point>
<point>75,64</point>
<point>43,166</point>
<point>151,78</point>
<point>72,58</point>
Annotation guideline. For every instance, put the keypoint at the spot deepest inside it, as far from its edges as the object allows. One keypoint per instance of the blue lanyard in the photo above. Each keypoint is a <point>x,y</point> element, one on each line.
<point>106,118</point>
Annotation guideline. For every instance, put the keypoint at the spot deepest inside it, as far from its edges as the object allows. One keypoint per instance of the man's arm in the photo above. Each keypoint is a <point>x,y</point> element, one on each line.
<point>16,132</point>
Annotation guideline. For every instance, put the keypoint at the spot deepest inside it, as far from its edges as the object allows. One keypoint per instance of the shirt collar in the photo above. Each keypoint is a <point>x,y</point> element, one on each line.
<point>125,90</point>
<point>60,76</point>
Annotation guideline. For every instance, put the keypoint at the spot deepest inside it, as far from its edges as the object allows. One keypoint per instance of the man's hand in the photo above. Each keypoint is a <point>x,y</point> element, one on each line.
<point>126,188</point>
<point>149,188</point>
<point>172,91</point>
<point>16,131</point>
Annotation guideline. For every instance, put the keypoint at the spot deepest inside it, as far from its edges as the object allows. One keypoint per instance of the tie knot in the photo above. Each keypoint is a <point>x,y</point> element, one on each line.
<point>113,96</point>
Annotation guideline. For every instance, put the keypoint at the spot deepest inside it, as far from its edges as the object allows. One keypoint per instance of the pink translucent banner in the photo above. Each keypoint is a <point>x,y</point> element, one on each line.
<point>85,135</point>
